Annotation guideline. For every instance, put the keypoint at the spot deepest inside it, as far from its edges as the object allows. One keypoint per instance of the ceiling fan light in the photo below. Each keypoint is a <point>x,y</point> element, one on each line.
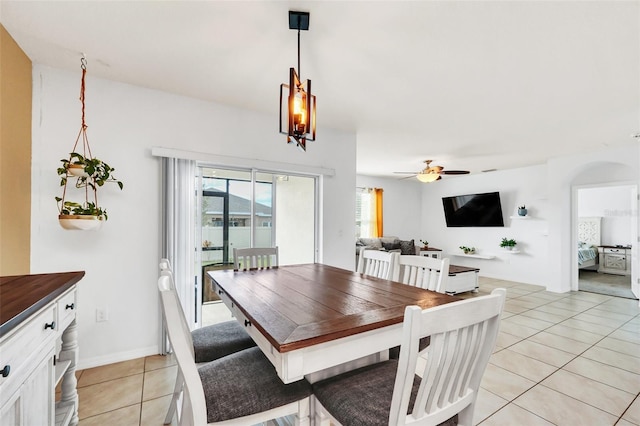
<point>427,177</point>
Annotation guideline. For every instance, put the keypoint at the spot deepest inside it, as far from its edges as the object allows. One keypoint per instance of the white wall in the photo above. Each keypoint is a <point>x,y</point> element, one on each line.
<point>545,239</point>
<point>121,260</point>
<point>564,175</point>
<point>401,203</point>
<point>516,187</point>
<point>614,205</point>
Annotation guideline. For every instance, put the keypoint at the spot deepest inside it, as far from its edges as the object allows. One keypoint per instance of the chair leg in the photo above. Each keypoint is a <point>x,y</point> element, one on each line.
<point>318,416</point>
<point>302,417</point>
<point>174,400</point>
<point>465,417</point>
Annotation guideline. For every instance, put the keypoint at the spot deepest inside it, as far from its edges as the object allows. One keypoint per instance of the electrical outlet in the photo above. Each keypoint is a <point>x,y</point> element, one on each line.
<point>102,315</point>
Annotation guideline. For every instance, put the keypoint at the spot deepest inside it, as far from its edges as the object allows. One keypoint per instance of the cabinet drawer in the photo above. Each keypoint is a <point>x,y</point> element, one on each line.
<point>67,307</point>
<point>615,251</point>
<point>22,344</point>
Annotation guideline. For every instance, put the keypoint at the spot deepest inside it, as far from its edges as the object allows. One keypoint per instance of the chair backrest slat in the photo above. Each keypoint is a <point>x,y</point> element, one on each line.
<point>463,336</point>
<point>421,271</point>
<point>377,263</point>
<point>255,258</point>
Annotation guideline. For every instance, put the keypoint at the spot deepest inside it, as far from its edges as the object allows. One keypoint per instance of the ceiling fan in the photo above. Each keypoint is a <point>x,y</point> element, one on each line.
<point>432,173</point>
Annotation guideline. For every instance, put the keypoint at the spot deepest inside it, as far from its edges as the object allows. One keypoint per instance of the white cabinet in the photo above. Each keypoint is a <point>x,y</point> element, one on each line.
<point>614,260</point>
<point>30,365</point>
<point>431,252</point>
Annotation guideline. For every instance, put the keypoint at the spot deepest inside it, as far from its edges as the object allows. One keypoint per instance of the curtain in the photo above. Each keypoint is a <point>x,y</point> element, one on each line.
<point>378,195</point>
<point>371,213</point>
<point>178,224</point>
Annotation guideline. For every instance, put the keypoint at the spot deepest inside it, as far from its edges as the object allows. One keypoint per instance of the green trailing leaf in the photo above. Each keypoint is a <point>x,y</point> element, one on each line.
<point>98,173</point>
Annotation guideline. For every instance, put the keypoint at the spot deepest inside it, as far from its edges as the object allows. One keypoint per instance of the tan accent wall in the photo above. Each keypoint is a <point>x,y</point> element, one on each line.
<point>15,157</point>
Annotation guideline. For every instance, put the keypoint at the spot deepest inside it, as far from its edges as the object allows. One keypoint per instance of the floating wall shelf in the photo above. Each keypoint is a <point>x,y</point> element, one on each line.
<point>477,256</point>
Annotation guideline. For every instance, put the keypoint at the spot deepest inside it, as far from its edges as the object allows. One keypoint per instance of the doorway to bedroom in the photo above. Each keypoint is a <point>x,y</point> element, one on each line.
<point>607,223</point>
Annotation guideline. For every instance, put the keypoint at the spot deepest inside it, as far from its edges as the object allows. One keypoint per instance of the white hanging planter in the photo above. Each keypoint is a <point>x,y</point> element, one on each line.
<point>88,173</point>
<point>77,170</point>
<point>80,222</point>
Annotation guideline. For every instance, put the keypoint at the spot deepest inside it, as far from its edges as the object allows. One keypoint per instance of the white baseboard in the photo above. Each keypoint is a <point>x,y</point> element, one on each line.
<point>116,357</point>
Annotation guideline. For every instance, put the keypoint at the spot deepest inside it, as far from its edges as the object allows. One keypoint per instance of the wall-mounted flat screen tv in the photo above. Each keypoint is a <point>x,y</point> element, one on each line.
<point>473,210</point>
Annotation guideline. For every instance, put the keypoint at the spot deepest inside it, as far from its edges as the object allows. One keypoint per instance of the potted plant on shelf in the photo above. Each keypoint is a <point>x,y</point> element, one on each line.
<point>522,210</point>
<point>468,250</point>
<point>425,244</point>
<point>508,243</point>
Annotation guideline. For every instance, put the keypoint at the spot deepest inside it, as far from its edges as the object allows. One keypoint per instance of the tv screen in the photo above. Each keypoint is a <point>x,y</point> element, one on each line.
<point>473,210</point>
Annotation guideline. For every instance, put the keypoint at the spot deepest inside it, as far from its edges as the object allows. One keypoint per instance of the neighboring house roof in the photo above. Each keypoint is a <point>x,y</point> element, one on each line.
<point>237,206</point>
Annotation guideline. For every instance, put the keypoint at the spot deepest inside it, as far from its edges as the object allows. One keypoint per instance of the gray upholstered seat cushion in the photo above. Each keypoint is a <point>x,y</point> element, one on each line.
<point>218,340</point>
<point>362,397</point>
<point>246,383</point>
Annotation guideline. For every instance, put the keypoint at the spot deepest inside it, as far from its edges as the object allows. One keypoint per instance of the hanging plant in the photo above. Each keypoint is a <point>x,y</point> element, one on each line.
<point>89,173</point>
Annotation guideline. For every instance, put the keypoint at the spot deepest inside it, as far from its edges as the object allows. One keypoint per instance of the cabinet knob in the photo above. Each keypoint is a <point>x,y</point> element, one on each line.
<point>247,323</point>
<point>70,306</point>
<point>51,325</point>
<point>6,370</point>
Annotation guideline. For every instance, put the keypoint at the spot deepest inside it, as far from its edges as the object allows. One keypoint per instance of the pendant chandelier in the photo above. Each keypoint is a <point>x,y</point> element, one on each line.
<point>297,104</point>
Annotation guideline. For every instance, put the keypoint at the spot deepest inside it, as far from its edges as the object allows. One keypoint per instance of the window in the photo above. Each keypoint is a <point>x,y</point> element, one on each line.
<point>369,213</point>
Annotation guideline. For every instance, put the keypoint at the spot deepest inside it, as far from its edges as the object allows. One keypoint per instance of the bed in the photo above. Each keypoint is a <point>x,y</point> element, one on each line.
<point>588,242</point>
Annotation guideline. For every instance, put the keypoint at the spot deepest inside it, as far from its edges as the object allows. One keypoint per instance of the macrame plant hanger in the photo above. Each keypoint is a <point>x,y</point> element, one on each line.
<point>89,174</point>
<point>86,149</point>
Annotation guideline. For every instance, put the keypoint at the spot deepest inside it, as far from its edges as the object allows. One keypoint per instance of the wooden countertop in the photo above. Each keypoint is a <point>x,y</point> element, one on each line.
<point>23,295</point>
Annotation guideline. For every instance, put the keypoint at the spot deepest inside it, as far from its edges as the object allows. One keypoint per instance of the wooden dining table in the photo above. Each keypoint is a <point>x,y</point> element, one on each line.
<point>315,320</point>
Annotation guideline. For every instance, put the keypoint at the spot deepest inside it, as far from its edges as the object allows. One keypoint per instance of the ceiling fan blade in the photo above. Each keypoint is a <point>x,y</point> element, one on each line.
<point>405,173</point>
<point>408,177</point>
<point>455,172</point>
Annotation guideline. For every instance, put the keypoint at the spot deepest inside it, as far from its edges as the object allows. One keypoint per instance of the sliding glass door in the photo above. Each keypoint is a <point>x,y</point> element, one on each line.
<point>252,208</point>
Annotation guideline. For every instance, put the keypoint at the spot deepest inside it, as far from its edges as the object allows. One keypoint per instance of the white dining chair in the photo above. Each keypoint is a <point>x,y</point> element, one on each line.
<point>376,263</point>
<point>255,258</point>
<point>239,389</point>
<point>463,336</point>
<point>209,343</point>
<point>422,271</point>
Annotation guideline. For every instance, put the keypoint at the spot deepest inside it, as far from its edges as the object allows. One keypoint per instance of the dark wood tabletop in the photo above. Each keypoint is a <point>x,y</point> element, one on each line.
<point>457,269</point>
<point>23,295</point>
<point>302,305</point>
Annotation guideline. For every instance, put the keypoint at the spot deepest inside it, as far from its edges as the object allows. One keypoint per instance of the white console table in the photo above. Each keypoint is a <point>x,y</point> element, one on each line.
<point>38,316</point>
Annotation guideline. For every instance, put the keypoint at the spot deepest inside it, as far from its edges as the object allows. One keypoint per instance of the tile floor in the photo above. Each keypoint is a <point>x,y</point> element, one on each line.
<point>561,359</point>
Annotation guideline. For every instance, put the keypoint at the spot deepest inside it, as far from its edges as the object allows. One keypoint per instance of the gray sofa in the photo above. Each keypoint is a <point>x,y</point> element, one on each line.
<point>389,243</point>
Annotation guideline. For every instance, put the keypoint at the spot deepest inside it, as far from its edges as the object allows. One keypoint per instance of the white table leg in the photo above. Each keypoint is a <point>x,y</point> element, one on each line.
<point>69,384</point>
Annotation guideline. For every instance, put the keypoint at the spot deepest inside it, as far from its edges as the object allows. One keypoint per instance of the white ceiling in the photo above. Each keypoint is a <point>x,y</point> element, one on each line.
<point>473,85</point>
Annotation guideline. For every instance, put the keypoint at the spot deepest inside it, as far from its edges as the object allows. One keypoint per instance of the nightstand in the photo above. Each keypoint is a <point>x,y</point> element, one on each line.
<point>614,260</point>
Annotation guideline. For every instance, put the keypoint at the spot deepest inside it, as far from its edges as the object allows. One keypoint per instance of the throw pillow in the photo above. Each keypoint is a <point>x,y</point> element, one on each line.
<point>407,247</point>
<point>372,242</point>
<point>391,246</point>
